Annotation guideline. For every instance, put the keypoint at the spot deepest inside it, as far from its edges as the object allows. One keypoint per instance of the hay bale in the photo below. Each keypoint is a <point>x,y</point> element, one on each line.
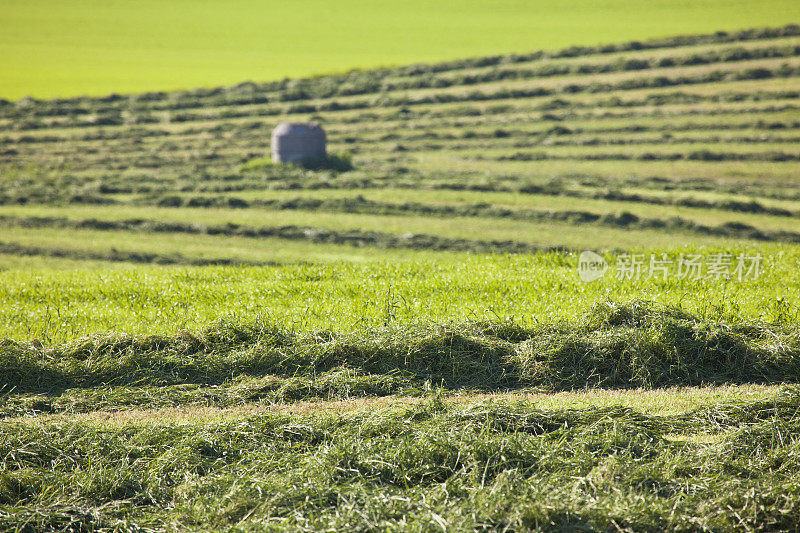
<point>292,142</point>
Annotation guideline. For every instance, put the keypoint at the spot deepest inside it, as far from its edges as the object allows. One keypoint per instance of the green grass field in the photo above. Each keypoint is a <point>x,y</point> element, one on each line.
<point>193,338</point>
<point>56,49</point>
<point>56,306</point>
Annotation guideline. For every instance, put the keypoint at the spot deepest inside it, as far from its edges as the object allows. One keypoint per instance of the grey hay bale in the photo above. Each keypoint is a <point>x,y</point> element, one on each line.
<point>293,142</point>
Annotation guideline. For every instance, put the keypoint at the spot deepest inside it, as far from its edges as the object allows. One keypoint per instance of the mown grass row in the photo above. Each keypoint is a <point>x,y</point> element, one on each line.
<point>121,256</point>
<point>502,93</point>
<point>398,99</point>
<point>562,128</point>
<point>181,191</point>
<point>337,384</point>
<point>353,237</point>
<point>632,345</point>
<point>251,93</point>
<point>227,158</point>
<point>646,143</point>
<point>585,123</point>
<point>488,466</point>
<point>564,105</point>
<point>748,71</point>
<point>143,114</point>
<point>224,151</point>
<point>359,205</point>
<point>697,155</point>
<point>565,69</point>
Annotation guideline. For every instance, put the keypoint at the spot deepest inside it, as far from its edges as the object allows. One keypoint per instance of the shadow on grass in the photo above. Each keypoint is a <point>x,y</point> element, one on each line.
<point>617,346</point>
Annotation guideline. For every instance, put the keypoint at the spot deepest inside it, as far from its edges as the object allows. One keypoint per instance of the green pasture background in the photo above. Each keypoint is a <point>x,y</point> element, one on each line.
<point>54,48</point>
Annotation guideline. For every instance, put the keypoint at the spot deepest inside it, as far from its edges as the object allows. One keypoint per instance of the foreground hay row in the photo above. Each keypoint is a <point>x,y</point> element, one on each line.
<point>632,345</point>
<point>434,465</point>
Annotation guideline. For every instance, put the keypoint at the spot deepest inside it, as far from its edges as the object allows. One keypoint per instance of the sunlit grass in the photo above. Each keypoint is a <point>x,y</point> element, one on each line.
<point>56,305</point>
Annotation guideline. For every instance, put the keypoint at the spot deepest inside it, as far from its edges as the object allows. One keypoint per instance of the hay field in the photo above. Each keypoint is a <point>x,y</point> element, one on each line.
<point>193,338</point>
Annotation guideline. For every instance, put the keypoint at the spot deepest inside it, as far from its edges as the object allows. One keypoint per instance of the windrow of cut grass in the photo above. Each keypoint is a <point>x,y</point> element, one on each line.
<point>358,204</point>
<point>433,465</point>
<point>57,188</point>
<point>378,121</point>
<point>734,228</point>
<point>115,255</point>
<point>540,196</point>
<point>496,91</point>
<point>630,345</point>
<point>239,392</point>
<point>616,64</point>
<point>341,228</point>
<point>358,238</point>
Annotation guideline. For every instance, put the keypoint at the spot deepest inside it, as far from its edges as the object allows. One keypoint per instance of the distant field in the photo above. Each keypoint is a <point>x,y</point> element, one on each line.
<point>52,48</point>
<point>666,145</point>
